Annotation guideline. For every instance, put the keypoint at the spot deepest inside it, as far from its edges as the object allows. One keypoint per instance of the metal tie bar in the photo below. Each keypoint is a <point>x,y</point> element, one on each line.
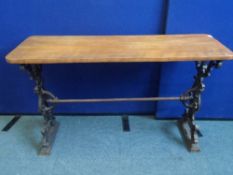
<point>99,100</point>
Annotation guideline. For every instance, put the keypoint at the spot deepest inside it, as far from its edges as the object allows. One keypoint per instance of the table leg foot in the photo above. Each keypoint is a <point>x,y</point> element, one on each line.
<point>185,132</point>
<point>49,135</point>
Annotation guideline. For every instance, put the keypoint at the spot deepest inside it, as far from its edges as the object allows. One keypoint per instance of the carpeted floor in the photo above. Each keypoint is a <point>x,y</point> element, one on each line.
<point>98,146</point>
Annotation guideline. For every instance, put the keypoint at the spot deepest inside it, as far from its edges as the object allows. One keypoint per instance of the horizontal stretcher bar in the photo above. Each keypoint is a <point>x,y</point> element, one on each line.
<point>99,100</point>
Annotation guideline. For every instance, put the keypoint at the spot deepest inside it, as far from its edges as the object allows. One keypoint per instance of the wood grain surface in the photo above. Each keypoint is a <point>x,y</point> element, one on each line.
<point>108,49</point>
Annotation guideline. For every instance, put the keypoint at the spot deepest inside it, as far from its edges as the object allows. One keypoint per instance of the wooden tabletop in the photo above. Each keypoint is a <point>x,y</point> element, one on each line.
<point>106,49</point>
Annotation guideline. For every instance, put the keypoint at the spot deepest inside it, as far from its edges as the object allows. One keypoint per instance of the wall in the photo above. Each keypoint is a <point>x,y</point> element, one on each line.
<point>20,19</point>
<point>213,17</point>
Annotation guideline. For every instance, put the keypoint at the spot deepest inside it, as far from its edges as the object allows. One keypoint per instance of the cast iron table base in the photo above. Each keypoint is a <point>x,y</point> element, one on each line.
<point>190,99</point>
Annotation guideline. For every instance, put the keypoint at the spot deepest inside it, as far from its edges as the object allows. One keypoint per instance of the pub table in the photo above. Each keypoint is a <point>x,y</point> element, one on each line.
<point>203,49</point>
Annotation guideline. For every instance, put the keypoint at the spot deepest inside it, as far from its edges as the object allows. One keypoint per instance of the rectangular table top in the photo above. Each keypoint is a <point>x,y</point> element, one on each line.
<point>107,49</point>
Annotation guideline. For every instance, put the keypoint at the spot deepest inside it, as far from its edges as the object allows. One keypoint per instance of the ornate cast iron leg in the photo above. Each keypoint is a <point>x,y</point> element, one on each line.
<point>187,126</point>
<point>51,125</point>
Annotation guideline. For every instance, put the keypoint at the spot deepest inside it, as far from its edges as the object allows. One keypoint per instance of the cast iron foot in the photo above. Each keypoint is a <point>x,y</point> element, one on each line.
<point>48,139</point>
<point>185,132</point>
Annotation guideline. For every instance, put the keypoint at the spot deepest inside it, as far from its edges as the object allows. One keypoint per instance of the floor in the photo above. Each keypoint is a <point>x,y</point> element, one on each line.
<point>98,146</point>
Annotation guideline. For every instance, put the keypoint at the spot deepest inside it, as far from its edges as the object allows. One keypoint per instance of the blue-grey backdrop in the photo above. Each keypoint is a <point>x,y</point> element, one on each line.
<point>213,17</point>
<point>20,19</point>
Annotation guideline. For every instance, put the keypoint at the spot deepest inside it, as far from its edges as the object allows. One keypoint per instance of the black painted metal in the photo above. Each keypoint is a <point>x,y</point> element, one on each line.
<point>191,99</point>
<point>46,109</point>
<point>11,123</point>
<point>187,126</point>
<point>125,123</point>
